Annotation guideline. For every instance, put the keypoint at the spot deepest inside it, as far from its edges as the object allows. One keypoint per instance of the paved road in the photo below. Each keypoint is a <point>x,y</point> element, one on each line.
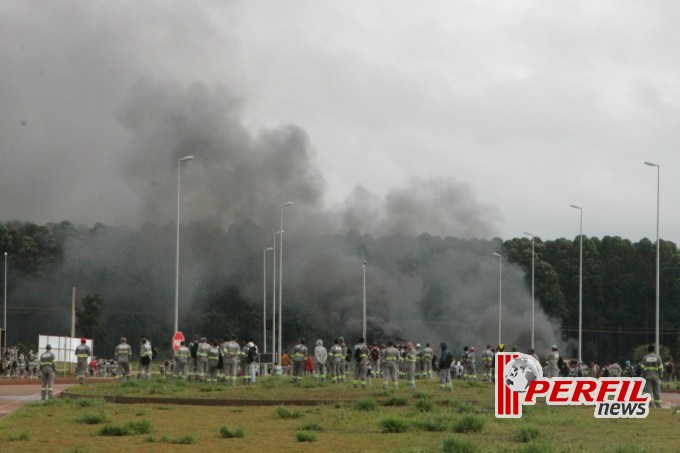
<point>13,396</point>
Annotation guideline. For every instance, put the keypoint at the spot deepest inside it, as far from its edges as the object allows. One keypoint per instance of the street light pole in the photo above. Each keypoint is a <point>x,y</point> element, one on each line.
<point>364,324</point>
<point>580,284</point>
<point>288,203</point>
<point>533,299</point>
<point>179,167</point>
<point>658,268</point>
<point>500,292</point>
<point>4,328</point>
<point>264,297</point>
<point>274,302</point>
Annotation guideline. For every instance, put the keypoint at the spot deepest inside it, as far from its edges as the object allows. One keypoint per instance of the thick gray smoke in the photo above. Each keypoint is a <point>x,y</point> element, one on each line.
<point>238,177</point>
<point>81,141</point>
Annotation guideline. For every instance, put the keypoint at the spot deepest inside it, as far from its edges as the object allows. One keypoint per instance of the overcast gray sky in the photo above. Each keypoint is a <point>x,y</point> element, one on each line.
<point>525,107</point>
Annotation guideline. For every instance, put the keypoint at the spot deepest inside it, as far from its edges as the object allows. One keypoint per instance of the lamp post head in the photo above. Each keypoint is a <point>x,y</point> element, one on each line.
<point>529,234</point>
<point>268,249</point>
<point>651,164</point>
<point>288,203</point>
<point>279,232</point>
<point>575,207</point>
<point>186,158</point>
<point>496,254</point>
<point>364,263</point>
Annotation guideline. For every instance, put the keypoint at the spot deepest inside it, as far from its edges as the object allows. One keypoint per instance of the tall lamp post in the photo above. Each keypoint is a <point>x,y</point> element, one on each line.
<point>264,297</point>
<point>179,167</point>
<point>658,185</point>
<point>274,300</point>
<point>4,328</point>
<point>288,203</point>
<point>363,266</point>
<point>500,292</point>
<point>533,299</point>
<point>580,283</point>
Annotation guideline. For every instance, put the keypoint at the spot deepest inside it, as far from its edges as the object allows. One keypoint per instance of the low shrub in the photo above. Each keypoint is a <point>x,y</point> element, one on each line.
<point>453,445</point>
<point>305,436</point>
<point>469,424</point>
<point>526,434</point>
<point>92,418</point>
<point>395,400</point>
<point>366,404</point>
<point>285,413</point>
<point>393,425</point>
<point>226,433</point>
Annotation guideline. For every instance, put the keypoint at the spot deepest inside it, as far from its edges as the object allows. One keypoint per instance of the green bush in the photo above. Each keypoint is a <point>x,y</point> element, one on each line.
<point>420,395</point>
<point>305,436</point>
<point>285,413</point>
<point>114,431</point>
<point>226,433</point>
<point>439,423</point>
<point>424,405</point>
<point>395,401</point>
<point>139,427</point>
<point>89,402</point>
<point>469,424</point>
<point>24,435</point>
<point>526,434</point>
<point>393,425</point>
<point>538,447</point>
<point>311,427</point>
<point>92,418</point>
<point>453,445</point>
<point>187,439</point>
<point>366,404</point>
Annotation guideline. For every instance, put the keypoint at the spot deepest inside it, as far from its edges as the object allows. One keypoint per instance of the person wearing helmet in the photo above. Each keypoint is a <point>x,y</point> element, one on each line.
<point>82,353</point>
<point>202,359</point>
<point>470,367</point>
<point>390,361</point>
<point>122,354</point>
<point>552,370</point>
<point>47,370</point>
<point>487,358</point>
<point>410,366</point>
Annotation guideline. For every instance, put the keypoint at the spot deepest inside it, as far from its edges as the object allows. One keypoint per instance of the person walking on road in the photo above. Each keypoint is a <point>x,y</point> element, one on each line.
<point>47,370</point>
<point>82,352</point>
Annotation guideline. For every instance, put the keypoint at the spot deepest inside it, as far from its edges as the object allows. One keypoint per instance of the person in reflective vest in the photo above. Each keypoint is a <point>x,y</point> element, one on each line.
<point>426,358</point>
<point>122,354</point>
<point>361,363</point>
<point>47,370</point>
<point>390,364</point>
<point>299,360</point>
<point>334,359</point>
<point>652,366</point>
<point>231,355</point>
<point>182,360</point>
<point>487,358</point>
<point>82,352</point>
<point>410,366</point>
<point>213,361</point>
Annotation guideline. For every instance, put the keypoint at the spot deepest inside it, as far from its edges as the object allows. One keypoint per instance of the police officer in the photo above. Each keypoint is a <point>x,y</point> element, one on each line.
<point>82,353</point>
<point>122,354</point>
<point>652,366</point>
<point>299,360</point>
<point>47,370</point>
<point>390,364</point>
<point>361,363</point>
<point>182,360</point>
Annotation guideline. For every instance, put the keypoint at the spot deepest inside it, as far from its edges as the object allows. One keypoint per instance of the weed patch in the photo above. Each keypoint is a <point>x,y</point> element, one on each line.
<point>526,434</point>
<point>424,405</point>
<point>305,436</point>
<point>92,418</point>
<point>366,404</point>
<point>226,433</point>
<point>454,445</point>
<point>24,435</point>
<point>311,427</point>
<point>395,400</point>
<point>187,439</point>
<point>393,425</point>
<point>469,424</point>
<point>285,413</point>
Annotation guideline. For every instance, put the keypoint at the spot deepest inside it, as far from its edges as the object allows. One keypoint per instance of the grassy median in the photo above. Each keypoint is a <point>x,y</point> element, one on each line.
<point>372,420</point>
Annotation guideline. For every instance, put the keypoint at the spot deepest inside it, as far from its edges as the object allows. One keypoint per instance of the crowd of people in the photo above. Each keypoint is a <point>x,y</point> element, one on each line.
<point>225,359</point>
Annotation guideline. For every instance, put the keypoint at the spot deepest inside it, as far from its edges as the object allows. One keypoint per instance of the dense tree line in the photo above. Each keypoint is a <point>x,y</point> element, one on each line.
<point>125,282</point>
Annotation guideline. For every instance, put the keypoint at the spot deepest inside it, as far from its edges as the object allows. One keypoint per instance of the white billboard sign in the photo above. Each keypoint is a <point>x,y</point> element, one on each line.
<point>63,348</point>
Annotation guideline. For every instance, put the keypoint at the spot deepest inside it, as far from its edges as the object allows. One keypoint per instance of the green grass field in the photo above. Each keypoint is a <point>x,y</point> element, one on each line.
<point>353,420</point>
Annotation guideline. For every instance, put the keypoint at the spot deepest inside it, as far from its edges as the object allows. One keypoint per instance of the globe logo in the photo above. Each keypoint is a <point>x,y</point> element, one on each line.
<point>521,371</point>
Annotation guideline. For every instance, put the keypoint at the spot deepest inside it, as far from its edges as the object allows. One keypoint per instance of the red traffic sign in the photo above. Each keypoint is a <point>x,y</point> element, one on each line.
<point>176,340</point>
